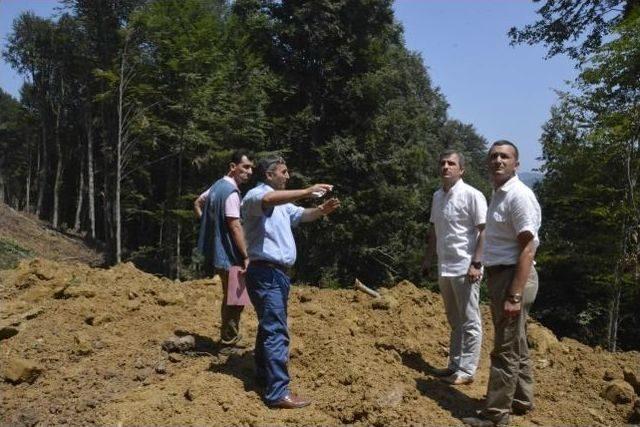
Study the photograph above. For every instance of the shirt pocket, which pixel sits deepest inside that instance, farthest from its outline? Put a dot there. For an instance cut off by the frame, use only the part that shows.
(499, 217)
(455, 214)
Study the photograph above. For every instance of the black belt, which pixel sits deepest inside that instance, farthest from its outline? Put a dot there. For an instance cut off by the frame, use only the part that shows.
(495, 269)
(268, 264)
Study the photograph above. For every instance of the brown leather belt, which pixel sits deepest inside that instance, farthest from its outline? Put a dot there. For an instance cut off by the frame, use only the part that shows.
(268, 264)
(495, 269)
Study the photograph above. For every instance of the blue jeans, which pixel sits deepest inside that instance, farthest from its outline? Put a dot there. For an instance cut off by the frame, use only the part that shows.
(269, 291)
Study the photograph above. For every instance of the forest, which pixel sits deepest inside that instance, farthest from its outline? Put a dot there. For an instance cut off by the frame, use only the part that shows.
(131, 108)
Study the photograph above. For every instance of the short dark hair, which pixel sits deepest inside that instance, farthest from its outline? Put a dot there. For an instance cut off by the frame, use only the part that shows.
(501, 142)
(266, 164)
(237, 155)
(447, 153)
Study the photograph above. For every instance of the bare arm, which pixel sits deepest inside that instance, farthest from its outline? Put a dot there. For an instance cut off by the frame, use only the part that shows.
(281, 197)
(237, 234)
(523, 268)
(312, 214)
(475, 274)
(198, 206)
(430, 250)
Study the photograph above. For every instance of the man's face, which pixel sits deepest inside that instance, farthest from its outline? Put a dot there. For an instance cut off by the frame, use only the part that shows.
(450, 170)
(502, 163)
(278, 177)
(242, 171)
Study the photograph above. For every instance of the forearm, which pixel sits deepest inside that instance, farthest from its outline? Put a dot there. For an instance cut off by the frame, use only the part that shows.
(311, 214)
(477, 253)
(237, 235)
(281, 197)
(523, 269)
(432, 241)
(197, 207)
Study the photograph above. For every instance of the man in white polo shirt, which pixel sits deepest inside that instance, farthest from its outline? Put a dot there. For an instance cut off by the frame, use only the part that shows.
(458, 214)
(511, 240)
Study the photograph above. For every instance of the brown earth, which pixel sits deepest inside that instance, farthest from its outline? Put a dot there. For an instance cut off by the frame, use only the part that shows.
(35, 235)
(96, 337)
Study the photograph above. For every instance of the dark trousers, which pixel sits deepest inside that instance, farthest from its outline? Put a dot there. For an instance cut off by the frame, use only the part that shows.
(269, 291)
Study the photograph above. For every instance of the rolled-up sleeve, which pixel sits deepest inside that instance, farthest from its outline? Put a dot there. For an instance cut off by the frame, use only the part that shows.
(252, 203)
(432, 214)
(524, 215)
(479, 205)
(295, 213)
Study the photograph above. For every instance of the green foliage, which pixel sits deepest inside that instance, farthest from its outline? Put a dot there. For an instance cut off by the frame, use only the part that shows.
(574, 27)
(329, 84)
(591, 148)
(11, 253)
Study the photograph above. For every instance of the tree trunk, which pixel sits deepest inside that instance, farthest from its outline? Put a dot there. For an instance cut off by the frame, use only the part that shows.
(1, 178)
(121, 88)
(614, 318)
(91, 177)
(108, 214)
(43, 162)
(178, 255)
(57, 183)
(76, 223)
(27, 206)
(179, 230)
(1, 187)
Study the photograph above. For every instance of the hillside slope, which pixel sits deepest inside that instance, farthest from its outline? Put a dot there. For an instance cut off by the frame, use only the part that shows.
(94, 338)
(23, 235)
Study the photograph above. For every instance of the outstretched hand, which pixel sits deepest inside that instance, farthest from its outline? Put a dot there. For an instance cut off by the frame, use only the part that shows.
(319, 190)
(329, 206)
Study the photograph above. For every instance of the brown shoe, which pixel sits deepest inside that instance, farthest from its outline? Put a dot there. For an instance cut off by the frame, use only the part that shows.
(458, 379)
(442, 372)
(291, 401)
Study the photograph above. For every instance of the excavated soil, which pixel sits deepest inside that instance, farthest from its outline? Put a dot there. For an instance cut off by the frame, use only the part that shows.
(97, 335)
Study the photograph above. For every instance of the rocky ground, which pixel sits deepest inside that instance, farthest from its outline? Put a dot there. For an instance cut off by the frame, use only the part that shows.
(81, 346)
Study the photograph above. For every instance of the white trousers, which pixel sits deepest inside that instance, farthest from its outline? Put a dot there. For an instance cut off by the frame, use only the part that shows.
(461, 302)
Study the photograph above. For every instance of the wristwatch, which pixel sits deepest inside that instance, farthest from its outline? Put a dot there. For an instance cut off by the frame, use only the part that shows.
(514, 298)
(476, 264)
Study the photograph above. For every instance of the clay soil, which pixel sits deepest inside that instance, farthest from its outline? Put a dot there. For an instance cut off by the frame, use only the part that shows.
(97, 336)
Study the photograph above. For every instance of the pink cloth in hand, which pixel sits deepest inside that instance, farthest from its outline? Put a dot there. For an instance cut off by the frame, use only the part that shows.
(237, 290)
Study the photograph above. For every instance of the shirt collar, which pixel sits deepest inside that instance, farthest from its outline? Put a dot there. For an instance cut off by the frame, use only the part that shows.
(509, 184)
(455, 187)
(231, 180)
(264, 184)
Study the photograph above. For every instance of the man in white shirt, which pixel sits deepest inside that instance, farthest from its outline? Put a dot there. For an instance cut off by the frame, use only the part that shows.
(511, 240)
(458, 213)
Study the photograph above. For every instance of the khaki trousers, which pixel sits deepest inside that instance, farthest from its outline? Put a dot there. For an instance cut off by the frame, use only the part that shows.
(229, 314)
(510, 379)
(462, 305)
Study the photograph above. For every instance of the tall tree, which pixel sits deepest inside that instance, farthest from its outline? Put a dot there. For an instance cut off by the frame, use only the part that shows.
(574, 27)
(593, 219)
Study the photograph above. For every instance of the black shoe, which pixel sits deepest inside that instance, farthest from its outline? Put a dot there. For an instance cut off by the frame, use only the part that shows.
(519, 408)
(442, 372)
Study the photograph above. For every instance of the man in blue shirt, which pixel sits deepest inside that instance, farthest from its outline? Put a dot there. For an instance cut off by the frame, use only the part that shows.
(268, 215)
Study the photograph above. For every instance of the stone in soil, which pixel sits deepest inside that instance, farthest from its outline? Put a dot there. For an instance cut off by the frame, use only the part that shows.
(20, 370)
(618, 392)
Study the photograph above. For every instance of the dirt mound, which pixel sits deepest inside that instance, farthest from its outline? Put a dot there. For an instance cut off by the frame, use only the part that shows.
(85, 346)
(32, 237)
